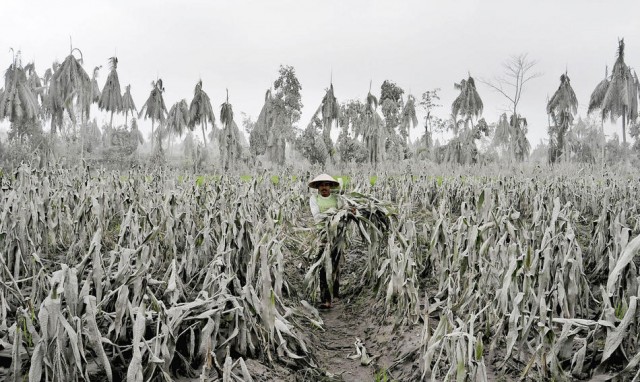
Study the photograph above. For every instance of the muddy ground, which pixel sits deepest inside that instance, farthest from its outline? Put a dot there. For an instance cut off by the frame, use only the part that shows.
(357, 317)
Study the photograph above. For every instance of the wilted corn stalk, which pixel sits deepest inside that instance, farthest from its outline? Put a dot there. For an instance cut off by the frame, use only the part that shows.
(453, 350)
(397, 276)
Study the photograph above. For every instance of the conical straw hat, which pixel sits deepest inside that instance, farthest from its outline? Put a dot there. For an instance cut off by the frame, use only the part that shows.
(323, 178)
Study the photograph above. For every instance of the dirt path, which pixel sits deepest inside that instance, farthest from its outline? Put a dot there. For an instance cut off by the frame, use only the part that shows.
(342, 326)
(356, 316)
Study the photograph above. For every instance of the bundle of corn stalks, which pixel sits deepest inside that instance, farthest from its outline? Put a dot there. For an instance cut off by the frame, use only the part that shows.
(371, 218)
(389, 266)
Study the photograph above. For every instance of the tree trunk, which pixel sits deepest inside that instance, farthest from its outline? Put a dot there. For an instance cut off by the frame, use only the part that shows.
(152, 130)
(204, 124)
(624, 126)
(126, 118)
(512, 151)
(81, 137)
(195, 159)
(604, 139)
(550, 153)
(111, 120)
(561, 150)
(426, 132)
(160, 137)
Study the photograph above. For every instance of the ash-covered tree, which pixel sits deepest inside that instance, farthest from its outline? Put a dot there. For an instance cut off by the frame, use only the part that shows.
(260, 133)
(311, 143)
(18, 104)
(584, 142)
(468, 104)
(155, 109)
(230, 148)
(178, 119)
(502, 134)
(70, 87)
(352, 124)
(329, 111)
(562, 106)
(617, 96)
(128, 105)
(136, 134)
(391, 103)
(33, 80)
(391, 106)
(111, 96)
(285, 109)
(409, 119)
(350, 149)
(201, 111)
(95, 88)
(429, 103)
(594, 104)
(351, 118)
(462, 148)
(50, 110)
(519, 142)
(518, 71)
(634, 132)
(374, 133)
(92, 136)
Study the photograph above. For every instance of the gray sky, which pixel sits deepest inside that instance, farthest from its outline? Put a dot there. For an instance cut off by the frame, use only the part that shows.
(239, 45)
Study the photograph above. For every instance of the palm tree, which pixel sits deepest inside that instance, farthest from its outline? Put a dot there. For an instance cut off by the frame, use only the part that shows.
(330, 111)
(127, 104)
(70, 85)
(621, 96)
(178, 119)
(468, 104)
(595, 102)
(229, 140)
(154, 107)
(111, 97)
(374, 131)
(50, 106)
(95, 88)
(408, 119)
(34, 82)
(200, 110)
(562, 107)
(18, 103)
(270, 132)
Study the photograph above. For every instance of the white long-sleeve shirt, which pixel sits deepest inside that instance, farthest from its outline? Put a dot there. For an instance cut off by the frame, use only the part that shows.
(315, 209)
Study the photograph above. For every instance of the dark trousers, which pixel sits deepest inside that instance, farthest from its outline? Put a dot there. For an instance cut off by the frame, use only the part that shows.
(325, 294)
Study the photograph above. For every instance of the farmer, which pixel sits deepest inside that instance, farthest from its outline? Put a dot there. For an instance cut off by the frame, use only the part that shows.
(319, 204)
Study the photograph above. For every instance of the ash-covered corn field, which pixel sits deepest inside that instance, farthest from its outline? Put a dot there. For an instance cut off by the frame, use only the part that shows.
(161, 276)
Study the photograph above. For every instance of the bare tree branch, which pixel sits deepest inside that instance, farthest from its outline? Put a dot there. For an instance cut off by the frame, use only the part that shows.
(516, 75)
(496, 88)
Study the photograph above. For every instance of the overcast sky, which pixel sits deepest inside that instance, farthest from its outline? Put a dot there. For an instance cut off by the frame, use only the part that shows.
(239, 45)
